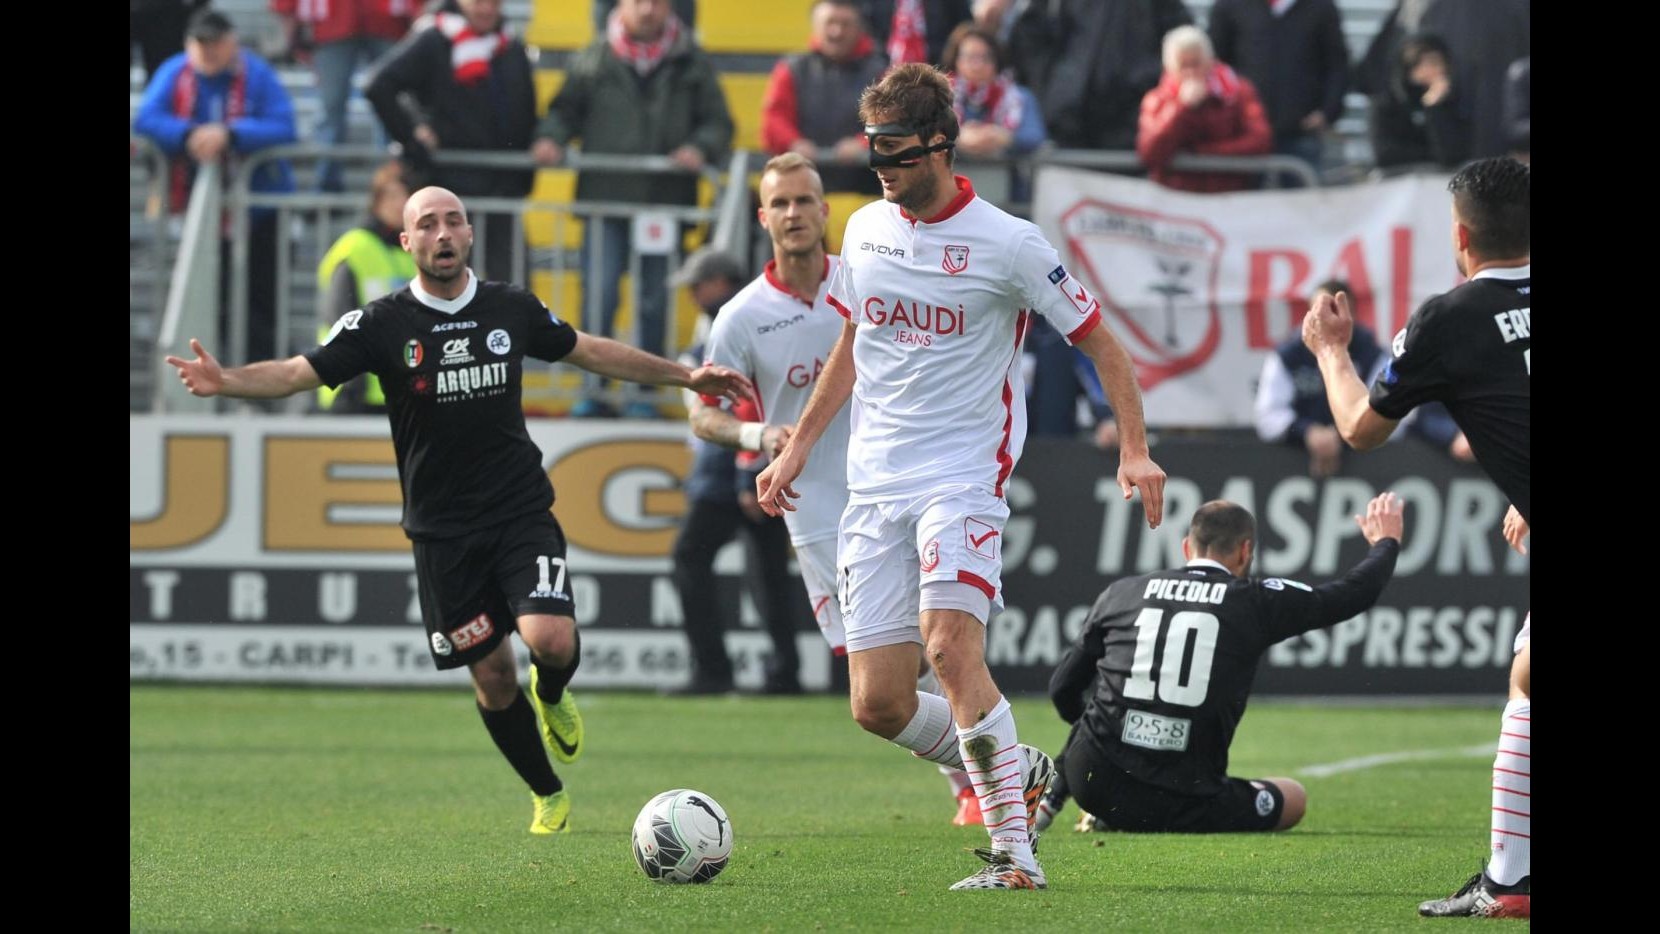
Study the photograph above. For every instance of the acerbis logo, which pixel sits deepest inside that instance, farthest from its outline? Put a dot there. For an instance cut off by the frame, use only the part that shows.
(882, 249)
(453, 326)
(348, 322)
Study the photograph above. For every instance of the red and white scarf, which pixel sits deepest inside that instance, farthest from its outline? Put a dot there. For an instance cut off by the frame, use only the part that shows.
(908, 38)
(470, 51)
(643, 56)
(184, 106)
(995, 101)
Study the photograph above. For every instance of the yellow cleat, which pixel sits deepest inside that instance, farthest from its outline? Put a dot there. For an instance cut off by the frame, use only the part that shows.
(561, 722)
(553, 813)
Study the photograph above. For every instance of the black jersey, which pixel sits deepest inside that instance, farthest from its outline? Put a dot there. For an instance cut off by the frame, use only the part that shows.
(1174, 653)
(452, 373)
(1469, 348)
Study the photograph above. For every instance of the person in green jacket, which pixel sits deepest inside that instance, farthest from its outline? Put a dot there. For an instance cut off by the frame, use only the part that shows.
(366, 263)
(643, 88)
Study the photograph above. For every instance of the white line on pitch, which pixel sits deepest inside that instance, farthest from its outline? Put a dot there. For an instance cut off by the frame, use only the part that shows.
(1388, 758)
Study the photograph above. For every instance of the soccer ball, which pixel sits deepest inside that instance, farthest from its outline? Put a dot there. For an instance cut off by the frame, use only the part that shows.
(682, 836)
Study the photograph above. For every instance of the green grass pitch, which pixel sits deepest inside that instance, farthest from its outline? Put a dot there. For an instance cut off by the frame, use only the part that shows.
(268, 809)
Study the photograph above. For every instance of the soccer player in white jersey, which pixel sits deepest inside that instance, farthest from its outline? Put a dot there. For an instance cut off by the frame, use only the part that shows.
(936, 287)
(778, 331)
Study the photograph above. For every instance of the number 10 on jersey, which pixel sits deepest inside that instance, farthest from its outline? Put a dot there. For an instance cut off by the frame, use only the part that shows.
(1168, 685)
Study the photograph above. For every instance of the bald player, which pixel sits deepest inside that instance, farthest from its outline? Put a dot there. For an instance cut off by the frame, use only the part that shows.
(449, 351)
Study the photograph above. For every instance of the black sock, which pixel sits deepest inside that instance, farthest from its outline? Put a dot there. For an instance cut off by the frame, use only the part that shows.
(550, 687)
(520, 740)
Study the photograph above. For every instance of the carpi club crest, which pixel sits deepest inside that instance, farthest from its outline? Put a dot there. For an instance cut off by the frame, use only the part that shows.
(956, 259)
(1159, 284)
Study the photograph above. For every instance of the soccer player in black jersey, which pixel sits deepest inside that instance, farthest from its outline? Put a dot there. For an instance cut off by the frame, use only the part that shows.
(449, 350)
(1471, 349)
(1172, 656)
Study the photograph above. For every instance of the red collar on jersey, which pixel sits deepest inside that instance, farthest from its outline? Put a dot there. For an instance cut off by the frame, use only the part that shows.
(965, 194)
(771, 274)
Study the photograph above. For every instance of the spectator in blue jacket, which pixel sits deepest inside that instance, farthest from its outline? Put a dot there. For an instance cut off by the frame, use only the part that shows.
(219, 102)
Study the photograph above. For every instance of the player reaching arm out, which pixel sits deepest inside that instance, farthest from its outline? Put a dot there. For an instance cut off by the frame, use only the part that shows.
(607, 357)
(268, 379)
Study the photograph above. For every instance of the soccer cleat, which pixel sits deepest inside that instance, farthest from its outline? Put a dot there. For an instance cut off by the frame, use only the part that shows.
(1481, 897)
(1049, 807)
(1000, 872)
(968, 809)
(561, 722)
(1040, 771)
(553, 813)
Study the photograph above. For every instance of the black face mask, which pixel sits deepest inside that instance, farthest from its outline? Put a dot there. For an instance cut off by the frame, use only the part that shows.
(904, 157)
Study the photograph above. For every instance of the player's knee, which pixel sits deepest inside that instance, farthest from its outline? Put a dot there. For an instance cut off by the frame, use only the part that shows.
(882, 714)
(552, 644)
(1296, 802)
(495, 683)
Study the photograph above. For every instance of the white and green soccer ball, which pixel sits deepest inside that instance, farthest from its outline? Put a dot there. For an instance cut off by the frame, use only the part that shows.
(682, 836)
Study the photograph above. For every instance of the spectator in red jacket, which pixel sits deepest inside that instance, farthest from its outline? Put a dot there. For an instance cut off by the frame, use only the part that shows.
(812, 98)
(338, 34)
(1200, 106)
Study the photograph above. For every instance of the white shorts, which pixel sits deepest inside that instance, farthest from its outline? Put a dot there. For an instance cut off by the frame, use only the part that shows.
(818, 572)
(1523, 636)
(889, 549)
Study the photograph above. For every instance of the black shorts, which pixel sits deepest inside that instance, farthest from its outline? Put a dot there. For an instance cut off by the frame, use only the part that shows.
(474, 587)
(1121, 802)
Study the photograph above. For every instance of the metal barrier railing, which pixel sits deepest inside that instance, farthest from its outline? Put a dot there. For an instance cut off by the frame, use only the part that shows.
(149, 259)
(314, 220)
(192, 308)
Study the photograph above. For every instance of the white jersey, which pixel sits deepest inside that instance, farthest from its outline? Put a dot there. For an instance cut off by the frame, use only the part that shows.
(941, 306)
(781, 343)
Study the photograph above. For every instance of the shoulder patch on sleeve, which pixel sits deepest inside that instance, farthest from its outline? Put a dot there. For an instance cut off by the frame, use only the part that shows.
(1057, 275)
(1280, 583)
(1398, 345)
(348, 322)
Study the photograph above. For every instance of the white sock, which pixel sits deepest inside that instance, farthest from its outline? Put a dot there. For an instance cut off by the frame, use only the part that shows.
(929, 683)
(1513, 796)
(931, 732)
(995, 765)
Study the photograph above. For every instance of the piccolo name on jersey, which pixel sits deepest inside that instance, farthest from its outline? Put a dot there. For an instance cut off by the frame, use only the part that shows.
(1185, 591)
